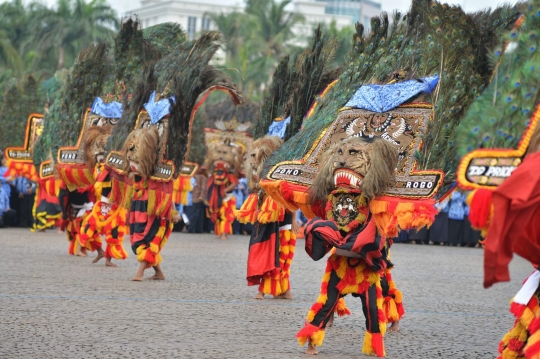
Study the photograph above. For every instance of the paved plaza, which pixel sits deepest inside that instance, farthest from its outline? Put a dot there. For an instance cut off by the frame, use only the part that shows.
(53, 305)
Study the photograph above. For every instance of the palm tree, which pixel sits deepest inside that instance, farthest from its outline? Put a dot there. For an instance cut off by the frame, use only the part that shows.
(275, 24)
(9, 57)
(230, 25)
(74, 24)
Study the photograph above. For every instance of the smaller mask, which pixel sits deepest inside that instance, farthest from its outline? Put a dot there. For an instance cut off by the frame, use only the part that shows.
(346, 208)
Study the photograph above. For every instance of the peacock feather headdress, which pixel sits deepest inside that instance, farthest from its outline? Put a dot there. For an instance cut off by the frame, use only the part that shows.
(432, 60)
(495, 134)
(22, 97)
(499, 117)
(170, 94)
(295, 85)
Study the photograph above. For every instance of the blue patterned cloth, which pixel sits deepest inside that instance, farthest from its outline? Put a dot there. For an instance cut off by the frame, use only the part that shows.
(241, 192)
(109, 110)
(4, 181)
(4, 201)
(278, 128)
(158, 110)
(22, 184)
(193, 182)
(458, 209)
(382, 98)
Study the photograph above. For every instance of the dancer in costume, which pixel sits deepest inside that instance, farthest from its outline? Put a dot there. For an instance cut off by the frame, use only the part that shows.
(273, 238)
(225, 155)
(360, 171)
(149, 230)
(108, 219)
(224, 162)
(148, 162)
(27, 98)
(73, 118)
(76, 205)
(409, 108)
(110, 73)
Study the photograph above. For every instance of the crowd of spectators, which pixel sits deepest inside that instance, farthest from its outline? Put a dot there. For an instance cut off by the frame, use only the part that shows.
(16, 199)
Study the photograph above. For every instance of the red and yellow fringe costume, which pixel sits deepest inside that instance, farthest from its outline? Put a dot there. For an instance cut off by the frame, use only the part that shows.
(221, 206)
(75, 208)
(347, 279)
(112, 225)
(225, 218)
(393, 300)
(46, 210)
(271, 278)
(108, 219)
(149, 231)
(523, 340)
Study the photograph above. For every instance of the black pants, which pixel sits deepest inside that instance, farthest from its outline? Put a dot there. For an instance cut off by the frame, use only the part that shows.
(7, 218)
(238, 228)
(369, 305)
(197, 218)
(26, 203)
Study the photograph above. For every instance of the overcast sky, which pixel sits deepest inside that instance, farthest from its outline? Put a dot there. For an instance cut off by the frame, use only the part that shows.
(388, 5)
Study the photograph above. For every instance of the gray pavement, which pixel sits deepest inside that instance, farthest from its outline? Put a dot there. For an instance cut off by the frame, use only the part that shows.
(53, 305)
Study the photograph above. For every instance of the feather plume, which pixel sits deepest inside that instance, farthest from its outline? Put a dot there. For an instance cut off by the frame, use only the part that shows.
(22, 97)
(498, 118)
(432, 38)
(296, 84)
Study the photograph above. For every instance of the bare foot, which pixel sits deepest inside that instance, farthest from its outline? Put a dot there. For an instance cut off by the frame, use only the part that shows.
(286, 295)
(81, 253)
(259, 295)
(223, 236)
(100, 255)
(156, 277)
(139, 276)
(159, 274)
(394, 327)
(331, 320)
(311, 349)
(108, 263)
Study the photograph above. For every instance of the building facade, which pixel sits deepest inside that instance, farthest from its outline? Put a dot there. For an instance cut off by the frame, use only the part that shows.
(361, 10)
(191, 14)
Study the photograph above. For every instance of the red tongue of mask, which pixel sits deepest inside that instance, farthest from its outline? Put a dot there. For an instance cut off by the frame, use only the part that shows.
(344, 212)
(343, 181)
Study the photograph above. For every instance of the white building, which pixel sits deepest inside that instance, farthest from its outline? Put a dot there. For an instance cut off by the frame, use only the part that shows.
(361, 10)
(190, 14)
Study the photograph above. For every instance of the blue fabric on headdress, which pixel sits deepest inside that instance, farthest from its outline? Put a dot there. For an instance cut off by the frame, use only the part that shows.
(278, 128)
(158, 110)
(109, 110)
(382, 98)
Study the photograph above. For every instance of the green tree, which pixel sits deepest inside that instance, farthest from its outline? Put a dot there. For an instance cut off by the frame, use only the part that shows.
(275, 24)
(74, 24)
(231, 26)
(255, 41)
(9, 57)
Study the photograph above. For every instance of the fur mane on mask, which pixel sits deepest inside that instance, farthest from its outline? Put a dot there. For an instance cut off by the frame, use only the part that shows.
(147, 147)
(93, 134)
(266, 145)
(234, 156)
(384, 159)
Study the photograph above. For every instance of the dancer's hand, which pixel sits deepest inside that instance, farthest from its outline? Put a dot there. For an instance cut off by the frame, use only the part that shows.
(295, 226)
